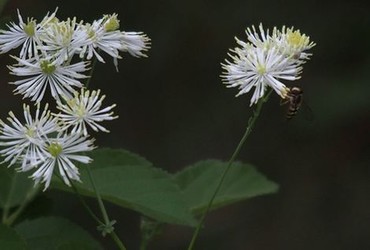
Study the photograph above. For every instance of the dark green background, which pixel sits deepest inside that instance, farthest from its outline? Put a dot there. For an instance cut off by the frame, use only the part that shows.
(174, 110)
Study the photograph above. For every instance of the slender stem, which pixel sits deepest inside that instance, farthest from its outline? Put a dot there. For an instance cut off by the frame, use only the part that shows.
(87, 84)
(7, 207)
(84, 204)
(101, 204)
(247, 132)
(117, 240)
(10, 220)
(104, 211)
(98, 197)
(112, 234)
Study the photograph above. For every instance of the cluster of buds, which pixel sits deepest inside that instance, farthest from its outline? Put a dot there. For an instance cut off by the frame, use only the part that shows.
(265, 60)
(53, 56)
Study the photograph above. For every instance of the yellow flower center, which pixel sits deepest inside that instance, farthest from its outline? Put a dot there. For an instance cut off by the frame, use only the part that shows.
(55, 149)
(261, 69)
(78, 109)
(91, 33)
(296, 39)
(30, 132)
(47, 67)
(29, 28)
(112, 23)
(81, 111)
(66, 28)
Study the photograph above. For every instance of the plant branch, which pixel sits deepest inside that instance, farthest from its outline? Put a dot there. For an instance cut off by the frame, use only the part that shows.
(252, 120)
(108, 225)
(30, 195)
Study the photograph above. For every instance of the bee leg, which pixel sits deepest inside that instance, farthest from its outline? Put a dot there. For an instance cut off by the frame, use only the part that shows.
(284, 101)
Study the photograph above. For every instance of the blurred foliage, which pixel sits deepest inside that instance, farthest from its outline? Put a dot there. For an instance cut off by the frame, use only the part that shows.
(53, 233)
(14, 187)
(10, 239)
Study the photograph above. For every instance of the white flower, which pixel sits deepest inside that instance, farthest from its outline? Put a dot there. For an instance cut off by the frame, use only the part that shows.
(265, 60)
(289, 42)
(43, 73)
(23, 140)
(263, 39)
(25, 34)
(103, 35)
(293, 43)
(60, 153)
(84, 109)
(259, 68)
(135, 43)
(63, 39)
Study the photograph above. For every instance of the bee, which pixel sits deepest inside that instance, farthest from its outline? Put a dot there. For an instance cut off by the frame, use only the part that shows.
(294, 99)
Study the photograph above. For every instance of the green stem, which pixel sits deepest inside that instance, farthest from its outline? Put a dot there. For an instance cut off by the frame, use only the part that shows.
(104, 211)
(247, 132)
(7, 207)
(87, 84)
(107, 222)
(106, 218)
(98, 197)
(10, 220)
(117, 240)
(84, 204)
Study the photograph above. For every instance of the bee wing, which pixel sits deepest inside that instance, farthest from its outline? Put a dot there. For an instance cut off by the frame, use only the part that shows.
(307, 112)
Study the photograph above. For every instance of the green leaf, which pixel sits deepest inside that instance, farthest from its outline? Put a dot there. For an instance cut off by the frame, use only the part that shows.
(10, 239)
(55, 233)
(130, 181)
(242, 181)
(14, 187)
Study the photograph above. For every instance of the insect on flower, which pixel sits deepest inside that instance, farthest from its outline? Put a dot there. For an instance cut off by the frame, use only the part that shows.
(294, 100)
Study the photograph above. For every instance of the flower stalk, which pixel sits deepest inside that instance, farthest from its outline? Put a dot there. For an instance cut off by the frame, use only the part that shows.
(107, 227)
(9, 220)
(251, 122)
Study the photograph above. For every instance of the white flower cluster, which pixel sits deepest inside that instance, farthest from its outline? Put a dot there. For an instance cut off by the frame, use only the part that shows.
(48, 49)
(54, 55)
(265, 60)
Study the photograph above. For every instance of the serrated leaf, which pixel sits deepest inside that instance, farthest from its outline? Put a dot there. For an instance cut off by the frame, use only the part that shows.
(242, 181)
(10, 239)
(130, 181)
(55, 233)
(14, 187)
